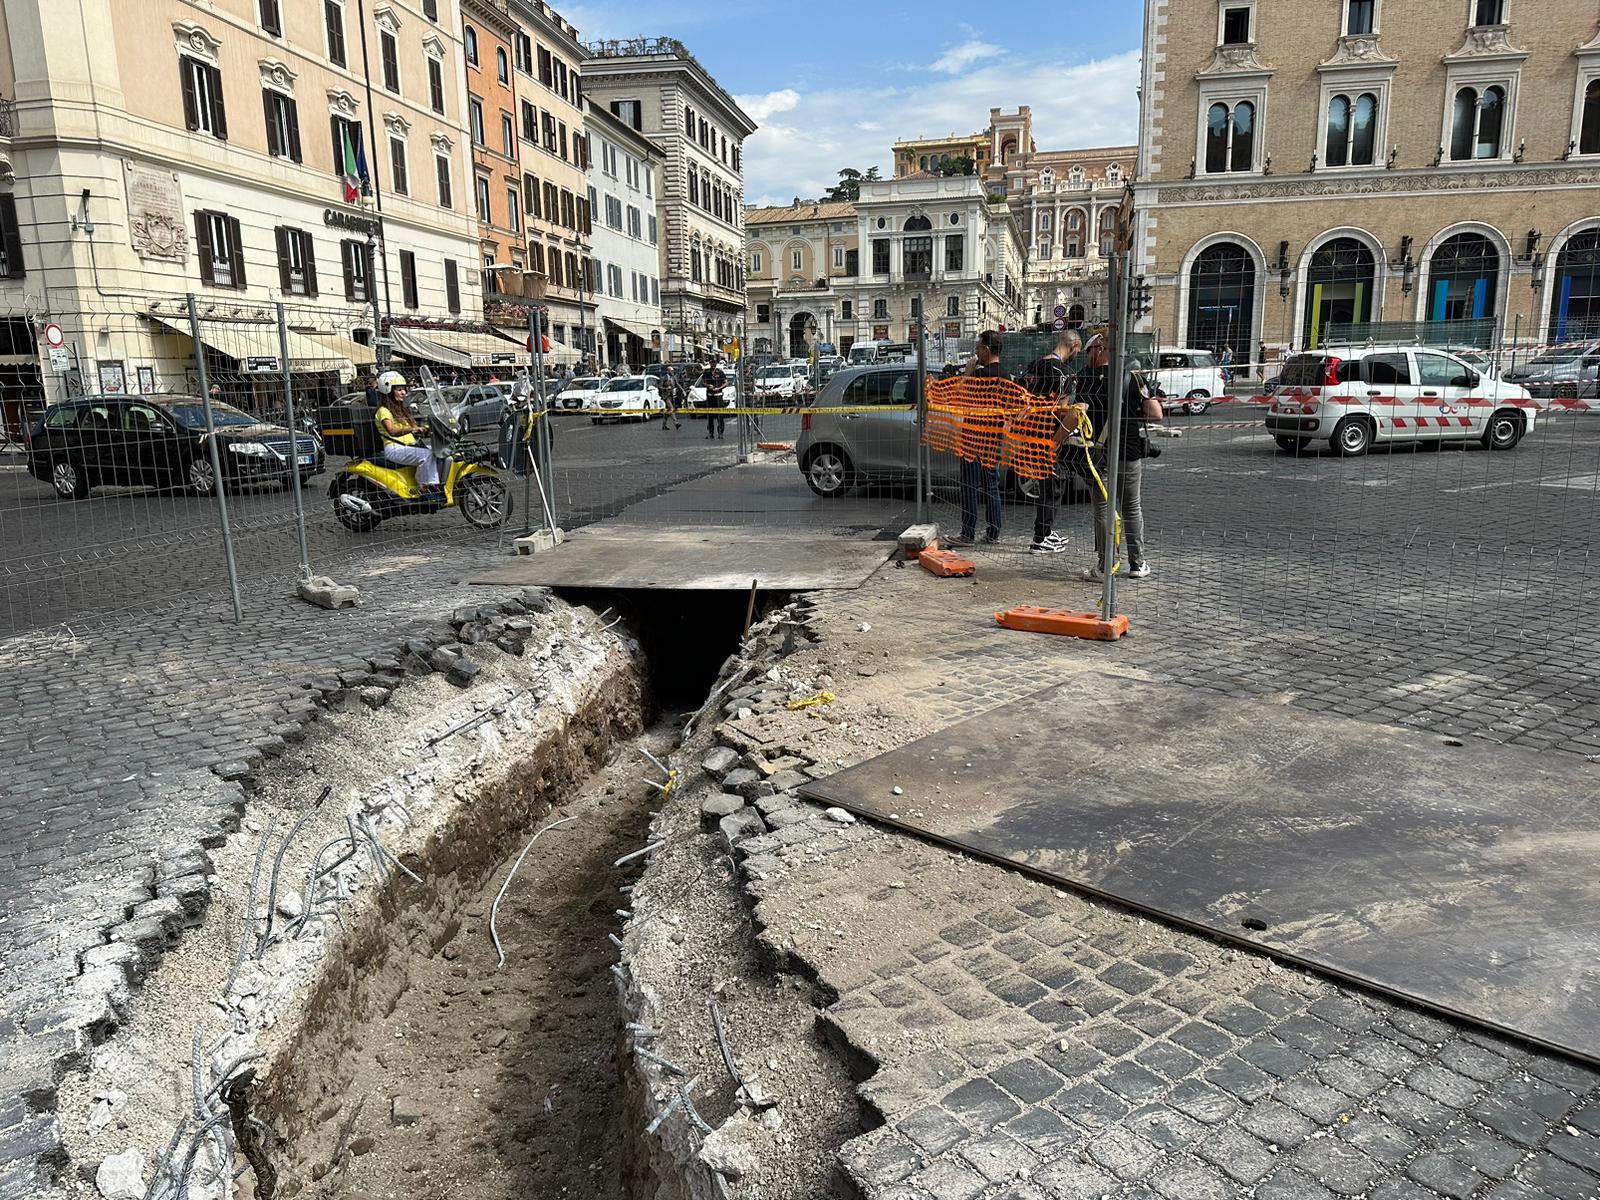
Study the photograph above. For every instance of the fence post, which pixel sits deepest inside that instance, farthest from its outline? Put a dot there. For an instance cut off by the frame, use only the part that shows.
(922, 395)
(1116, 385)
(294, 444)
(216, 461)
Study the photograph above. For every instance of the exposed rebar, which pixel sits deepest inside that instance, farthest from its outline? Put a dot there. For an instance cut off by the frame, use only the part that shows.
(165, 1160)
(679, 1097)
(372, 836)
(665, 1064)
(722, 1042)
(277, 865)
(223, 1078)
(494, 909)
(194, 1148)
(627, 858)
(315, 872)
(246, 936)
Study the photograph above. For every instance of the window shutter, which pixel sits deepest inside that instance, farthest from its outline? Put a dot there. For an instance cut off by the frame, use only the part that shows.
(271, 21)
(15, 268)
(236, 247)
(338, 150)
(282, 236)
(191, 105)
(293, 113)
(219, 114)
(308, 246)
(274, 146)
(452, 286)
(202, 246)
(346, 260)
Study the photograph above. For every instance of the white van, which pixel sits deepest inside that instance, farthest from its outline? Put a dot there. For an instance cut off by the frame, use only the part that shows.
(1357, 395)
(867, 353)
(1189, 380)
(782, 381)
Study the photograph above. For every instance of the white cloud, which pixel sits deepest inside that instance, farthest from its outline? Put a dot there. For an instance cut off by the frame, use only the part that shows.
(958, 58)
(800, 146)
(762, 108)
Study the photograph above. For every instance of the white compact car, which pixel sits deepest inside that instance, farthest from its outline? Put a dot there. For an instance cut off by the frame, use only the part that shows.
(782, 381)
(577, 391)
(627, 398)
(1189, 380)
(1354, 396)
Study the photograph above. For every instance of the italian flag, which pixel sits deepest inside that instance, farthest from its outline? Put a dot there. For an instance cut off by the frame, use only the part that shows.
(352, 174)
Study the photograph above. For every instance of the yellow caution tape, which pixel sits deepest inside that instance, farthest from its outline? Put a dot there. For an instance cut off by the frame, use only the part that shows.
(1086, 433)
(816, 701)
(792, 411)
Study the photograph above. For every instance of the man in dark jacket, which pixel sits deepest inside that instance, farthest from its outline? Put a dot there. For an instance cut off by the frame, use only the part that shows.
(1094, 394)
(715, 381)
(1050, 379)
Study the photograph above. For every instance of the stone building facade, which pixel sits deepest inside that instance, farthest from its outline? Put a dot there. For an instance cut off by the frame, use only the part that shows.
(1370, 166)
(624, 181)
(802, 263)
(662, 91)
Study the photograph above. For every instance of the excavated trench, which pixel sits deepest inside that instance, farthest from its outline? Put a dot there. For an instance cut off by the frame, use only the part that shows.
(424, 1067)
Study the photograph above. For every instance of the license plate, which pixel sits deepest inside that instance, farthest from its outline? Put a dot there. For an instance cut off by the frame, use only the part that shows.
(306, 460)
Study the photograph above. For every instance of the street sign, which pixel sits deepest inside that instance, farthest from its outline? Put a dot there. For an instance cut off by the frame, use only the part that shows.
(60, 360)
(1058, 324)
(261, 364)
(53, 335)
(1061, 313)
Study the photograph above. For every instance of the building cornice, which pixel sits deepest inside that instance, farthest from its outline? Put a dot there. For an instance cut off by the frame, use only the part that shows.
(646, 68)
(1487, 44)
(1376, 183)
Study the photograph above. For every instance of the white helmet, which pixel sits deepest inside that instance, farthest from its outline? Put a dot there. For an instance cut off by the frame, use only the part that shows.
(390, 380)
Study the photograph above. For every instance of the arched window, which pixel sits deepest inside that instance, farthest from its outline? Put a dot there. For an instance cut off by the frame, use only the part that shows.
(1230, 137)
(1352, 131)
(1114, 171)
(1074, 219)
(1575, 312)
(922, 163)
(469, 43)
(1075, 315)
(1077, 176)
(1477, 123)
(917, 224)
(1463, 279)
(1108, 232)
(1222, 300)
(1047, 178)
(502, 65)
(1589, 135)
(1339, 288)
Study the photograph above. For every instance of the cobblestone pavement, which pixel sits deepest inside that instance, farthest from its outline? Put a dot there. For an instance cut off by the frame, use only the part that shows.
(128, 749)
(1023, 1043)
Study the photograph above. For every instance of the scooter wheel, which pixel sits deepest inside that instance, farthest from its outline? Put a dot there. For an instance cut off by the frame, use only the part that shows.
(485, 501)
(354, 519)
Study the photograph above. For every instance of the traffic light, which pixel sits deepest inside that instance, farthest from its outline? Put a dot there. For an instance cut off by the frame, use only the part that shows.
(1141, 298)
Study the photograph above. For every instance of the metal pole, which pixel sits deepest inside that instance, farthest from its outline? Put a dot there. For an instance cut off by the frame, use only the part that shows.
(922, 407)
(1116, 383)
(379, 358)
(216, 462)
(533, 367)
(294, 444)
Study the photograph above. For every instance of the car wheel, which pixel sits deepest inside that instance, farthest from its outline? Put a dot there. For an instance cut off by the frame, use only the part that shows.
(202, 479)
(1292, 445)
(1197, 402)
(1352, 437)
(485, 501)
(69, 480)
(829, 472)
(1505, 430)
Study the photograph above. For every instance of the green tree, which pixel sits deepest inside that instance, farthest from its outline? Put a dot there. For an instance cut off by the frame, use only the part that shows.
(958, 166)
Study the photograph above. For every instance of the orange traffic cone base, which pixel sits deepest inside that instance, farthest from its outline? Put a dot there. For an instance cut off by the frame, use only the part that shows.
(1030, 618)
(945, 564)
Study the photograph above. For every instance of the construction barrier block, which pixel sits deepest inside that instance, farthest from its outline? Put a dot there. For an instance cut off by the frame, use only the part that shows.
(946, 564)
(774, 445)
(1030, 618)
(919, 538)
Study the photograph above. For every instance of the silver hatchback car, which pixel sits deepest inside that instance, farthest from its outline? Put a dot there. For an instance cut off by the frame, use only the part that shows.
(838, 451)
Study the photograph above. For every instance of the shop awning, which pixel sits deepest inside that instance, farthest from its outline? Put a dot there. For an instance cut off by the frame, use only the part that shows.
(361, 355)
(483, 349)
(643, 332)
(559, 352)
(414, 345)
(255, 345)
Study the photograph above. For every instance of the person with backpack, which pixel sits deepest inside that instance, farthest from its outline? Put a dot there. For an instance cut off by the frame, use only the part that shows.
(1052, 418)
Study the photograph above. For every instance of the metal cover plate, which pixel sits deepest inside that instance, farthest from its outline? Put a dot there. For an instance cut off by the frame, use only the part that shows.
(1464, 878)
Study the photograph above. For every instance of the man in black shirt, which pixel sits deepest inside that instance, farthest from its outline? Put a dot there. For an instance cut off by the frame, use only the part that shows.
(1050, 378)
(1093, 393)
(715, 383)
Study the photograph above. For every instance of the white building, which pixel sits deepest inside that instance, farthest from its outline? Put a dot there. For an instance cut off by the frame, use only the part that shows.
(655, 86)
(624, 180)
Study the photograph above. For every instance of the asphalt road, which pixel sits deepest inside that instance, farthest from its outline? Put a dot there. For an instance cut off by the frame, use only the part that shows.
(1223, 483)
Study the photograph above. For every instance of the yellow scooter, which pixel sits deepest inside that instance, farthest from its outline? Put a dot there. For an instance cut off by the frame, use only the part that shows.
(370, 489)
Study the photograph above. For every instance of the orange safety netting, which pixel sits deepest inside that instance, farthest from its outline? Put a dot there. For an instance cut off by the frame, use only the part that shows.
(985, 420)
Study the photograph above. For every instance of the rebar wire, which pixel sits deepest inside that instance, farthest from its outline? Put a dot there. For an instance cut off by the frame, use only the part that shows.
(315, 872)
(222, 1079)
(247, 935)
(277, 865)
(722, 1041)
(165, 1160)
(627, 858)
(681, 1096)
(494, 909)
(194, 1148)
(372, 836)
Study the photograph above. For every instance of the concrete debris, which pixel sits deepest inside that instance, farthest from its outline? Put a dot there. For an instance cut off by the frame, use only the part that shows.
(323, 591)
(839, 815)
(898, 790)
(121, 1176)
(720, 806)
(106, 1104)
(719, 761)
(864, 627)
(728, 1152)
(407, 1110)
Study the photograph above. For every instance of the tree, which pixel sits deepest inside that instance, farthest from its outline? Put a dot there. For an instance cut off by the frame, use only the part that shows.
(848, 189)
(957, 166)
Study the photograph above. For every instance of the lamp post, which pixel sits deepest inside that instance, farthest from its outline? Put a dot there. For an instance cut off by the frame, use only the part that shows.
(379, 358)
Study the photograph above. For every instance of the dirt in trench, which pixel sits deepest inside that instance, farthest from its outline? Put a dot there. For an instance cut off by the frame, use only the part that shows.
(511, 1073)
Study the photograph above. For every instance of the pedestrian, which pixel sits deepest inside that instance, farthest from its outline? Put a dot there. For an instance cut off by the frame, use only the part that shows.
(1051, 381)
(715, 382)
(1261, 360)
(670, 397)
(983, 424)
(1137, 407)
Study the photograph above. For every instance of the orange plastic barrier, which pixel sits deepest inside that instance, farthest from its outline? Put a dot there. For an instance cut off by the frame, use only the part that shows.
(987, 420)
(1030, 618)
(946, 564)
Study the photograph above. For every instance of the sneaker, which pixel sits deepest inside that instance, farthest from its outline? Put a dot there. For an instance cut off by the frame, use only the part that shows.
(1142, 571)
(991, 538)
(963, 539)
(1092, 574)
(1053, 544)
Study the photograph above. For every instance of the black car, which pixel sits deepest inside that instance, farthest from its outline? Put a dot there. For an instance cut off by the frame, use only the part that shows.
(160, 441)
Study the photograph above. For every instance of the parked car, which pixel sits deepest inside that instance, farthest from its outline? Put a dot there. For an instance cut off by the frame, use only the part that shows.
(160, 441)
(479, 406)
(1355, 396)
(1189, 380)
(622, 396)
(578, 390)
(697, 391)
(839, 451)
(1565, 373)
(785, 381)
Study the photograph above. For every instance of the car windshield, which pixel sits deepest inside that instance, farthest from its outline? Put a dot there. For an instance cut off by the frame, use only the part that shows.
(581, 385)
(1562, 361)
(631, 384)
(1303, 370)
(193, 414)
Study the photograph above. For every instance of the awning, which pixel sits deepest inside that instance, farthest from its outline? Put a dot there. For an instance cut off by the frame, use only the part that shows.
(643, 332)
(255, 345)
(483, 349)
(361, 355)
(414, 345)
(559, 352)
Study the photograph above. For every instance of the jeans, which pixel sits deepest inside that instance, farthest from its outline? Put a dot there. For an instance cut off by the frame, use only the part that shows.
(1044, 512)
(974, 475)
(1130, 481)
(419, 457)
(716, 424)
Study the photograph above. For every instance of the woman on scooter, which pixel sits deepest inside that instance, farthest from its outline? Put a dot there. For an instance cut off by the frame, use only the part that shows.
(400, 429)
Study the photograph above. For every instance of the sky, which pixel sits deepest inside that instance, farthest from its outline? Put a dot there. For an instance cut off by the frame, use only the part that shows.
(834, 84)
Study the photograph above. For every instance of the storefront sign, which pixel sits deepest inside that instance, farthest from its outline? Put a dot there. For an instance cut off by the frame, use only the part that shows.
(261, 364)
(156, 222)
